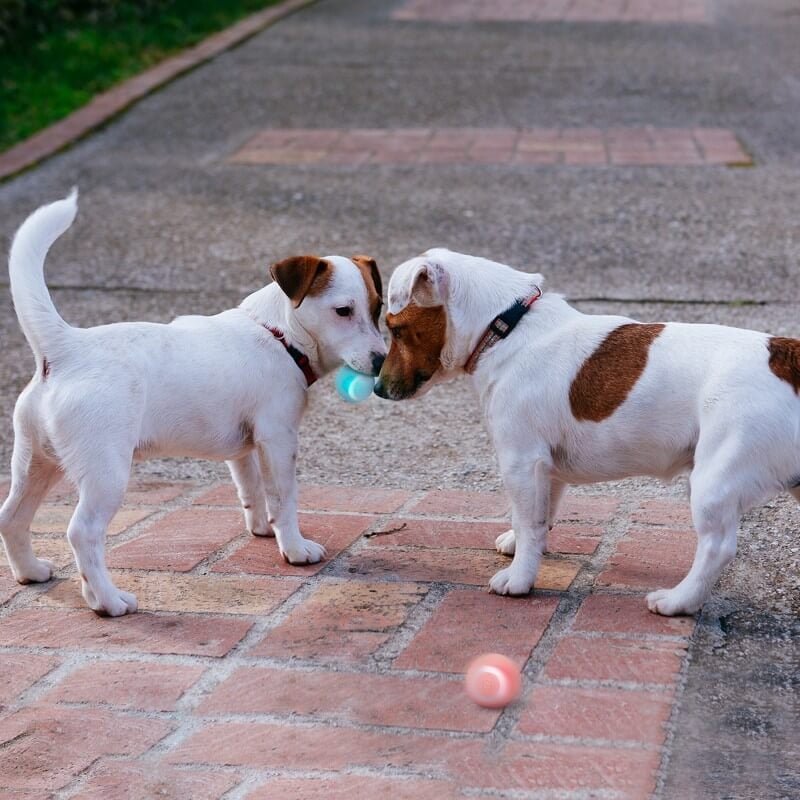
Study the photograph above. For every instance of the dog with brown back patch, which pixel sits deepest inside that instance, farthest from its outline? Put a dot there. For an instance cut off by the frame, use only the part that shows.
(572, 398)
(227, 387)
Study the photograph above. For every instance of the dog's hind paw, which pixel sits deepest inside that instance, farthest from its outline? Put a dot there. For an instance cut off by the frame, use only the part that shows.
(303, 552)
(505, 543)
(510, 581)
(38, 571)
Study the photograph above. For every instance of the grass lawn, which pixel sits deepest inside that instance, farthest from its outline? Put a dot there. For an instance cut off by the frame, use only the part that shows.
(46, 76)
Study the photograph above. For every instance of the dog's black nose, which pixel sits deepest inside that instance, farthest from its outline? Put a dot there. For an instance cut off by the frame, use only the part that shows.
(377, 363)
(380, 390)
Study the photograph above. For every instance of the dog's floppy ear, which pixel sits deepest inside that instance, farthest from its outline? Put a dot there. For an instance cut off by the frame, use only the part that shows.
(369, 264)
(298, 275)
(428, 285)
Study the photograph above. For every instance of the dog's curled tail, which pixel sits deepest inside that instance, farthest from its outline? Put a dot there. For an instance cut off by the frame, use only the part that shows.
(38, 318)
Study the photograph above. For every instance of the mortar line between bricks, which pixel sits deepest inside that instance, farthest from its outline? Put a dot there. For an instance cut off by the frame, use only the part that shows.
(671, 725)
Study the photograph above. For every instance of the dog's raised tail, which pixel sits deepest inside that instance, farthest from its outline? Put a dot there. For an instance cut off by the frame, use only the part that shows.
(38, 318)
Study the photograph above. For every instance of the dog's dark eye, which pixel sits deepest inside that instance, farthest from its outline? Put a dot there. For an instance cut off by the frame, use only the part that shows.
(395, 333)
(344, 311)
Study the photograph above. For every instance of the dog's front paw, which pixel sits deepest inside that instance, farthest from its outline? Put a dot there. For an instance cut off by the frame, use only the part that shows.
(304, 551)
(511, 581)
(669, 602)
(506, 543)
(38, 571)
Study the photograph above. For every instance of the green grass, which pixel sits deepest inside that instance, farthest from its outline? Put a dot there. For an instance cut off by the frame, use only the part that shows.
(44, 77)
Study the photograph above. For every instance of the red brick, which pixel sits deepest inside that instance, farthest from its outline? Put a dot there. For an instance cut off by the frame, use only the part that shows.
(569, 538)
(41, 748)
(663, 512)
(351, 499)
(587, 509)
(321, 747)
(469, 622)
(438, 533)
(607, 613)
(349, 787)
(342, 621)
(139, 493)
(454, 502)
(19, 671)
(55, 519)
(179, 541)
(143, 633)
(549, 156)
(162, 591)
(145, 780)
(260, 556)
(617, 715)
(650, 559)
(615, 659)
(141, 685)
(473, 567)
(627, 773)
(369, 699)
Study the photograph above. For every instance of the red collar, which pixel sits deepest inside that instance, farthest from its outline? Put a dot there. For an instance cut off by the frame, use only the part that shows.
(299, 358)
(501, 326)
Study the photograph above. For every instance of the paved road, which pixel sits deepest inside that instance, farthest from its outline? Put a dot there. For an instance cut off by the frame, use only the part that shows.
(167, 226)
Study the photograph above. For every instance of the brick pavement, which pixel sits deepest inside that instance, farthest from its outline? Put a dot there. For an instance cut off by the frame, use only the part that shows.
(631, 146)
(692, 11)
(245, 678)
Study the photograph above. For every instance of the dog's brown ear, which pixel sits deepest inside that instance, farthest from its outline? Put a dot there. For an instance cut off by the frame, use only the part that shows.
(367, 264)
(299, 276)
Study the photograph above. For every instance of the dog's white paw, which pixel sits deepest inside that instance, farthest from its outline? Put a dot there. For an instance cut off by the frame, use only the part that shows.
(258, 524)
(38, 571)
(669, 602)
(114, 603)
(506, 543)
(304, 551)
(511, 581)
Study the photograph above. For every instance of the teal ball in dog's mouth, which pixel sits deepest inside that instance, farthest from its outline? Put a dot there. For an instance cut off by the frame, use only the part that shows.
(352, 386)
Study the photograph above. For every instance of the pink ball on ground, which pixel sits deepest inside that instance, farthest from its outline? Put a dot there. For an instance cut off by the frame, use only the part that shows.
(493, 680)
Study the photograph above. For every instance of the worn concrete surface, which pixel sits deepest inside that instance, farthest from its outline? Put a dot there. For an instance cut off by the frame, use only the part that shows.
(167, 227)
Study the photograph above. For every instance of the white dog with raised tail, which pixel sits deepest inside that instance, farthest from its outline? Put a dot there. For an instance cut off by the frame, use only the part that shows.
(573, 398)
(227, 387)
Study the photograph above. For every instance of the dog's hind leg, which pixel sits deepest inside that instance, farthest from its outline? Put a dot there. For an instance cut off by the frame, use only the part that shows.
(246, 474)
(32, 475)
(505, 543)
(101, 493)
(717, 497)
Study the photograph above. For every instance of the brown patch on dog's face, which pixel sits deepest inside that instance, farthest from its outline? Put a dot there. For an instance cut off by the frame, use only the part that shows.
(606, 378)
(300, 276)
(418, 336)
(784, 360)
(372, 278)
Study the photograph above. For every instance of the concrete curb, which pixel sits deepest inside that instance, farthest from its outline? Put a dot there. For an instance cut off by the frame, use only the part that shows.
(108, 104)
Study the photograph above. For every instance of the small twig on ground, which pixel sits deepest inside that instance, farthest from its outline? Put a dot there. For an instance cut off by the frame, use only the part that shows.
(388, 530)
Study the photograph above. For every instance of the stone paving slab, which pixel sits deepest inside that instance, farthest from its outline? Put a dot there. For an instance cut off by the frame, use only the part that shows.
(346, 676)
(553, 10)
(620, 146)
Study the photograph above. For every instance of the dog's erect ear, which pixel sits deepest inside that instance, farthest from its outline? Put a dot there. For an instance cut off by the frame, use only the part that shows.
(367, 263)
(300, 275)
(428, 285)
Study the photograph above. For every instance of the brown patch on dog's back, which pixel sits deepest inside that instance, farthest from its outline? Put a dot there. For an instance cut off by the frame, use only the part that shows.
(784, 360)
(606, 378)
(418, 337)
(372, 278)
